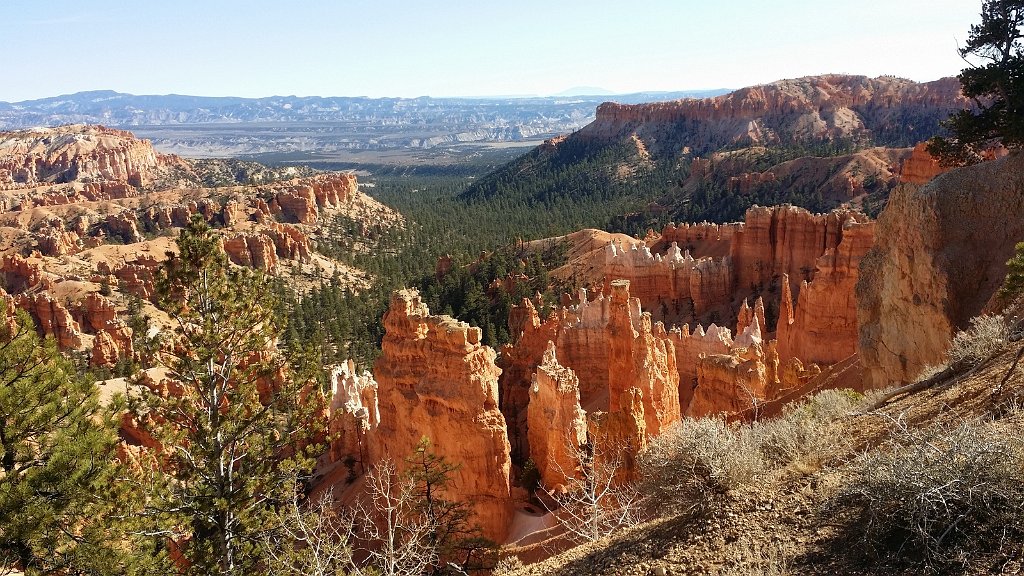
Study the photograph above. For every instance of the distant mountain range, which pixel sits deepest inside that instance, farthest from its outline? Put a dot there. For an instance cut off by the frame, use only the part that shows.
(232, 126)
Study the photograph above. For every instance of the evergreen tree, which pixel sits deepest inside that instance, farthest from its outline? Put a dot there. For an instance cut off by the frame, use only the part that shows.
(57, 455)
(235, 424)
(996, 87)
(455, 538)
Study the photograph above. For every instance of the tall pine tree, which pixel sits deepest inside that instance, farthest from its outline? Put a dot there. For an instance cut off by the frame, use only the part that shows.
(234, 423)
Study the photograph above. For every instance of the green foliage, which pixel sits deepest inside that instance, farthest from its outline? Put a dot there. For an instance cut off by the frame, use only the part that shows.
(59, 480)
(996, 87)
(456, 539)
(1013, 285)
(234, 414)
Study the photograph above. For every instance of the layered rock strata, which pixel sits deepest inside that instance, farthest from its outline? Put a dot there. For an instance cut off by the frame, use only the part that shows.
(817, 107)
(940, 254)
(822, 328)
(621, 361)
(82, 153)
(439, 382)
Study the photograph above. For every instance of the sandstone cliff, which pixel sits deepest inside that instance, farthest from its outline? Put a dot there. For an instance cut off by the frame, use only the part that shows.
(823, 327)
(939, 256)
(815, 107)
(921, 166)
(80, 153)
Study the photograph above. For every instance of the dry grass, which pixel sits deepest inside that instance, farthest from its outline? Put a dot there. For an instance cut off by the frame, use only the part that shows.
(699, 459)
(507, 565)
(801, 434)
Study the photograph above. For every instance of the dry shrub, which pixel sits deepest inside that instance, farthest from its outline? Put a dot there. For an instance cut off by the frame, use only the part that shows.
(698, 459)
(803, 432)
(940, 495)
(929, 371)
(596, 502)
(985, 337)
(507, 565)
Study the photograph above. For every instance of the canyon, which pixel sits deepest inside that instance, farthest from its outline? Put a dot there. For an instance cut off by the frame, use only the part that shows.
(611, 369)
(699, 319)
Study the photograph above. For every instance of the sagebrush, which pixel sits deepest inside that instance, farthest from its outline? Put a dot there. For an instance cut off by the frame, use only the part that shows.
(938, 495)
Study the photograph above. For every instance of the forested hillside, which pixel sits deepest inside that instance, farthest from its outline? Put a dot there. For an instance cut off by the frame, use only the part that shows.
(711, 159)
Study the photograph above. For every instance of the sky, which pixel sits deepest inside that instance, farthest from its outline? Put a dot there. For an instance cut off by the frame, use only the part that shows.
(413, 48)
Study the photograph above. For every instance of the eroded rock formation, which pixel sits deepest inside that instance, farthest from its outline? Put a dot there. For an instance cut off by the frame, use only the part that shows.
(823, 329)
(827, 106)
(438, 381)
(921, 166)
(82, 153)
(557, 424)
(939, 256)
(354, 417)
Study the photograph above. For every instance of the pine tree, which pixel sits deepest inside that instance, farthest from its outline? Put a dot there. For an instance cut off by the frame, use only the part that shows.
(235, 424)
(996, 87)
(59, 469)
(455, 538)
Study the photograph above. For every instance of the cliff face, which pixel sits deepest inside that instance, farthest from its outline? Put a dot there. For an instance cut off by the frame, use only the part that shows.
(82, 153)
(823, 327)
(920, 166)
(939, 256)
(816, 107)
(784, 240)
(438, 381)
(621, 362)
(738, 261)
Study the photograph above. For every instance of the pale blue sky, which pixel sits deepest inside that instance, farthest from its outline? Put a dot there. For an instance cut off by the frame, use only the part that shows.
(463, 47)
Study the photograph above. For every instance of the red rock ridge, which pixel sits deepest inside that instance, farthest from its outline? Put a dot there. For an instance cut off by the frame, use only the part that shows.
(817, 106)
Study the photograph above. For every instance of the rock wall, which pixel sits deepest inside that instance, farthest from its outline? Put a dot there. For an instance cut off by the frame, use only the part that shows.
(784, 240)
(621, 361)
(823, 327)
(748, 259)
(940, 254)
(921, 166)
(827, 106)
